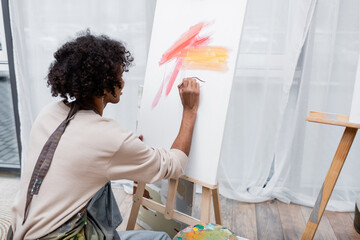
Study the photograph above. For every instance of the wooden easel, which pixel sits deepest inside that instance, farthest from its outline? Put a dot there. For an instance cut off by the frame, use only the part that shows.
(169, 212)
(335, 168)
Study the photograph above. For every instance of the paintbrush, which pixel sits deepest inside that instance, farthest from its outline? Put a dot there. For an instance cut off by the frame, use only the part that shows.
(197, 79)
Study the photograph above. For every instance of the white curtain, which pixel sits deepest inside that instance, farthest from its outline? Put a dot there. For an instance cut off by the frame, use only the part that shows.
(295, 56)
(40, 27)
(269, 150)
(274, 33)
(328, 70)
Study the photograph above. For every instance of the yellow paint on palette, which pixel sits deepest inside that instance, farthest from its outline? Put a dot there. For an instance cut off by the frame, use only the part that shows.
(205, 58)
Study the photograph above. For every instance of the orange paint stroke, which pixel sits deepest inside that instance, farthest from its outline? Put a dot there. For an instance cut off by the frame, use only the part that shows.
(206, 58)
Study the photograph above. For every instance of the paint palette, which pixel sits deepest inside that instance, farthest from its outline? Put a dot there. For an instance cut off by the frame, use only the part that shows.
(205, 231)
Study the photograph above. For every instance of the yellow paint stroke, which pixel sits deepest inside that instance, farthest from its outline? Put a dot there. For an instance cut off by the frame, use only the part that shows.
(205, 58)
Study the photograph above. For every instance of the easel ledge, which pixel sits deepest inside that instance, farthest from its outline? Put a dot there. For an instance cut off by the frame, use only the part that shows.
(169, 212)
(335, 167)
(332, 119)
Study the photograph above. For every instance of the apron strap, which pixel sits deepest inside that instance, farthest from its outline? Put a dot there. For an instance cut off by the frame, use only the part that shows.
(44, 160)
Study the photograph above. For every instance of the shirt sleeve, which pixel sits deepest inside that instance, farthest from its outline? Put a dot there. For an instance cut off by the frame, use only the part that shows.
(136, 161)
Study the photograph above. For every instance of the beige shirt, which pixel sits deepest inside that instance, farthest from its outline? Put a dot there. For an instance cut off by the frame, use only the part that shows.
(92, 151)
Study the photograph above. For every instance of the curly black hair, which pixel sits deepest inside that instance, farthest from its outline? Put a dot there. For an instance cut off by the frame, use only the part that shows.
(87, 66)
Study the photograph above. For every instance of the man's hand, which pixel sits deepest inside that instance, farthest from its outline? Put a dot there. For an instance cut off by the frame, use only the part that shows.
(189, 91)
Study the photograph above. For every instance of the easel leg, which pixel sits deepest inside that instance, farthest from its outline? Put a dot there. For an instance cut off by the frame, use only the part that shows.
(205, 205)
(136, 206)
(171, 197)
(216, 203)
(329, 183)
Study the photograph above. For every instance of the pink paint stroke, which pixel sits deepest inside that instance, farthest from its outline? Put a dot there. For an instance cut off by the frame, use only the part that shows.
(158, 95)
(184, 41)
(174, 74)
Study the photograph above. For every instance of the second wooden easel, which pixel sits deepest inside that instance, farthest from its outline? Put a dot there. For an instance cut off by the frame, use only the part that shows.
(168, 210)
(335, 168)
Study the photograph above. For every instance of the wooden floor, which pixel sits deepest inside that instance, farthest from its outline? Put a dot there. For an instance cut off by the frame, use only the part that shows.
(269, 220)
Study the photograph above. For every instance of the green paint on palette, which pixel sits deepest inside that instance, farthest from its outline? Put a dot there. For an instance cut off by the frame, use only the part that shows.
(199, 226)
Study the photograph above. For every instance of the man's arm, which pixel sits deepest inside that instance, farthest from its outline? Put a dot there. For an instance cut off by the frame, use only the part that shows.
(189, 91)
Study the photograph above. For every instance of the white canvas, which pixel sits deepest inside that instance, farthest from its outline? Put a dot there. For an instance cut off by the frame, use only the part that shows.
(215, 28)
(355, 104)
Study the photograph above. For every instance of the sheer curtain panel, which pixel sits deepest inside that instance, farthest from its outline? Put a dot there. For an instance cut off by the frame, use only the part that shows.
(273, 36)
(325, 83)
(40, 27)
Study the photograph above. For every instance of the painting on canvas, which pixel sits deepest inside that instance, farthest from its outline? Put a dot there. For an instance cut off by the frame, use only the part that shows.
(191, 38)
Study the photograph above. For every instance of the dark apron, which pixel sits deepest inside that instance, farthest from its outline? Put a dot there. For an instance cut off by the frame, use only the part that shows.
(98, 221)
